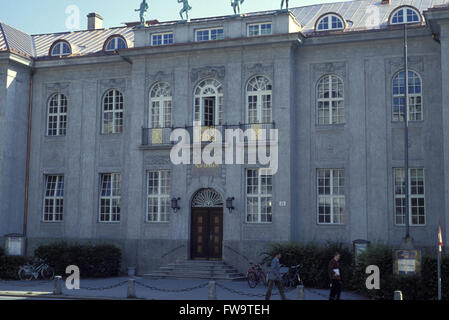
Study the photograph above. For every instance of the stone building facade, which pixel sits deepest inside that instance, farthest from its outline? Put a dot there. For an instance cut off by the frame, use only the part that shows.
(101, 105)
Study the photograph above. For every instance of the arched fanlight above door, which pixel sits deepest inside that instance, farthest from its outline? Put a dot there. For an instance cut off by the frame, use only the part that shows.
(207, 198)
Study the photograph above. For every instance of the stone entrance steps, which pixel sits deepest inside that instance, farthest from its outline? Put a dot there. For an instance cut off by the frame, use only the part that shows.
(197, 269)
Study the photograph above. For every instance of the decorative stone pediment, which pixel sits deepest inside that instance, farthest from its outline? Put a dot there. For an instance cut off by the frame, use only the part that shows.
(397, 64)
(160, 76)
(217, 73)
(338, 68)
(57, 86)
(113, 83)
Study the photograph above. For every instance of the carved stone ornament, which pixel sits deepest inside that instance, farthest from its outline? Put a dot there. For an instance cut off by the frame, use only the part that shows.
(207, 72)
(338, 68)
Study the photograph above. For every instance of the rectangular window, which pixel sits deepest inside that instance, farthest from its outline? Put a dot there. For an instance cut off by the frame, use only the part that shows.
(160, 39)
(158, 196)
(331, 196)
(259, 199)
(259, 29)
(110, 195)
(209, 34)
(54, 198)
(416, 196)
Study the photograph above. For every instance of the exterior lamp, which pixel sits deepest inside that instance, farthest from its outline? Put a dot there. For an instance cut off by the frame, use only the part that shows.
(229, 205)
(175, 205)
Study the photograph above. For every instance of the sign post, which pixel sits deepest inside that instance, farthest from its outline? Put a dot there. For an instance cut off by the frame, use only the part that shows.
(440, 250)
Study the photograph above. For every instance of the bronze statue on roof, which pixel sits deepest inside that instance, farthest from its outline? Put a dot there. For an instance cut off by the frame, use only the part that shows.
(186, 8)
(282, 4)
(142, 12)
(236, 5)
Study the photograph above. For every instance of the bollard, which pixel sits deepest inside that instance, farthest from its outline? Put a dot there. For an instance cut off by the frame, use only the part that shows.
(300, 293)
(57, 289)
(398, 295)
(131, 292)
(212, 290)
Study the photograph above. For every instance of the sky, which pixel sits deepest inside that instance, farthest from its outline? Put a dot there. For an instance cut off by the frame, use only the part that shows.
(48, 16)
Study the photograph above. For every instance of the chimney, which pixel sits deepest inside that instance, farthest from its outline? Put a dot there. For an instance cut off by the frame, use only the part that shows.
(386, 2)
(94, 21)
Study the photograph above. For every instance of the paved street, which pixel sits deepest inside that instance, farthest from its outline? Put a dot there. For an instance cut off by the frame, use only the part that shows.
(225, 290)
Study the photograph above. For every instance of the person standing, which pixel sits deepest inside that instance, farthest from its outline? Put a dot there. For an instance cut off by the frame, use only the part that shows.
(274, 278)
(335, 277)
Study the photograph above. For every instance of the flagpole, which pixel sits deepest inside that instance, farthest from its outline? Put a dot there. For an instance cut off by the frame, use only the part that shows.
(407, 191)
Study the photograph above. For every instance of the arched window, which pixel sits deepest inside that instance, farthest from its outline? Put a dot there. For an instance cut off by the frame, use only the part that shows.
(57, 115)
(405, 14)
(115, 43)
(160, 105)
(259, 100)
(60, 48)
(112, 112)
(330, 21)
(330, 97)
(209, 103)
(414, 96)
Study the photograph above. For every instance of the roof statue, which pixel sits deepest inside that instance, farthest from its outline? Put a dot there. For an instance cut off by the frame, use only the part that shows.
(236, 5)
(186, 8)
(286, 4)
(142, 12)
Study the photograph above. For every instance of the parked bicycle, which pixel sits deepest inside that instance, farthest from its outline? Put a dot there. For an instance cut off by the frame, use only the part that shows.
(292, 277)
(255, 275)
(41, 268)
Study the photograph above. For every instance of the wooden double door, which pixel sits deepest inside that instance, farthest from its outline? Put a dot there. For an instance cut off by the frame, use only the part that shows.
(206, 234)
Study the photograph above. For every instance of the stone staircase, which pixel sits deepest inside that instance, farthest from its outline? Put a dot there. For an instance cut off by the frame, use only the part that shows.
(197, 269)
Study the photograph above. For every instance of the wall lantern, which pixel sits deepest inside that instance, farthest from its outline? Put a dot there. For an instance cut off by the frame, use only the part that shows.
(229, 205)
(175, 205)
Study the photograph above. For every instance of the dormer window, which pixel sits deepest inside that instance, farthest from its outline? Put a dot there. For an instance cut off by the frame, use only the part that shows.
(60, 48)
(115, 43)
(405, 14)
(330, 21)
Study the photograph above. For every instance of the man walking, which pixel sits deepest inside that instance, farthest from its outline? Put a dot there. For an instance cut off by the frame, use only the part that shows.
(274, 278)
(335, 277)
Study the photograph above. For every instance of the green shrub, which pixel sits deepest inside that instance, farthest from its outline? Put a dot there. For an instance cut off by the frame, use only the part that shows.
(417, 287)
(314, 260)
(9, 266)
(94, 261)
(2, 252)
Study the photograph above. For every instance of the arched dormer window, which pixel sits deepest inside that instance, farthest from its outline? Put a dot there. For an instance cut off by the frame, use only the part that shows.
(405, 14)
(259, 100)
(330, 21)
(115, 43)
(60, 48)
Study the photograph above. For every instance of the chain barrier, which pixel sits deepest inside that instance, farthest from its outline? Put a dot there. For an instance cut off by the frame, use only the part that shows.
(201, 286)
(105, 288)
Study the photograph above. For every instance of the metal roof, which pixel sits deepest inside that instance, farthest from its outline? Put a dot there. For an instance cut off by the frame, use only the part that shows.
(357, 13)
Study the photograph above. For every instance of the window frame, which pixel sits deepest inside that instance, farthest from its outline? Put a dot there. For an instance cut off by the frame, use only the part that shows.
(330, 15)
(114, 112)
(411, 96)
(160, 196)
(411, 196)
(60, 44)
(209, 34)
(162, 109)
(260, 196)
(331, 196)
(115, 38)
(111, 198)
(404, 9)
(260, 101)
(54, 197)
(61, 117)
(259, 29)
(163, 42)
(219, 99)
(331, 100)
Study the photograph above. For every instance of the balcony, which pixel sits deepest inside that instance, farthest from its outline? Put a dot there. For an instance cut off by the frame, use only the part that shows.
(160, 137)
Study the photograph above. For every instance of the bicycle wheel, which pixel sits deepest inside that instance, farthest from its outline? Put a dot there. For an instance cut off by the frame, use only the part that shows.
(48, 273)
(24, 275)
(252, 280)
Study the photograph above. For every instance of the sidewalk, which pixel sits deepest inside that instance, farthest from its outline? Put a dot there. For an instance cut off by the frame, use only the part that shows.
(116, 288)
